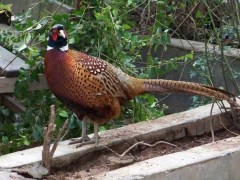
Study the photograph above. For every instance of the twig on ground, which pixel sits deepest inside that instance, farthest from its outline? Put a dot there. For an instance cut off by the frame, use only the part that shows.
(211, 123)
(222, 106)
(140, 143)
(235, 113)
(48, 134)
(236, 134)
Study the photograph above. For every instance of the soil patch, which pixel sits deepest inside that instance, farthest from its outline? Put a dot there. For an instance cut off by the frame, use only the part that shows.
(106, 161)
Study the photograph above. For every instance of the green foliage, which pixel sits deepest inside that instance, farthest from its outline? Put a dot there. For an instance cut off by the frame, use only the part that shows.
(102, 29)
(139, 111)
(115, 31)
(5, 7)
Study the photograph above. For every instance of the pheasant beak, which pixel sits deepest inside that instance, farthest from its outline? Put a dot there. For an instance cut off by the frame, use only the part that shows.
(62, 34)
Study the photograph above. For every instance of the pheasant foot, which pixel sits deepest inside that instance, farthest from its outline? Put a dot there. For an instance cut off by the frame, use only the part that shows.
(91, 141)
(84, 140)
(81, 140)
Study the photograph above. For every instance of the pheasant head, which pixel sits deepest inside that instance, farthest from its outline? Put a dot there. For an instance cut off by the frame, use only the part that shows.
(58, 38)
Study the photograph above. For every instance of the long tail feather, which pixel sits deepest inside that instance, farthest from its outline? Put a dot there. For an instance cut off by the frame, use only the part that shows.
(170, 86)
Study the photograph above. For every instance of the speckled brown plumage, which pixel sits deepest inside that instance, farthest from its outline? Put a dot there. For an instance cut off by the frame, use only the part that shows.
(84, 84)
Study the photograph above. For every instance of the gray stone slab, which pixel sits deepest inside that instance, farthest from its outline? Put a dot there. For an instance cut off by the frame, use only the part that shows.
(8, 175)
(197, 46)
(10, 65)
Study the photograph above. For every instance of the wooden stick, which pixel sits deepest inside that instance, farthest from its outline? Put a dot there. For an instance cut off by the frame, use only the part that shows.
(140, 143)
(47, 154)
(236, 134)
(211, 123)
(48, 134)
(58, 139)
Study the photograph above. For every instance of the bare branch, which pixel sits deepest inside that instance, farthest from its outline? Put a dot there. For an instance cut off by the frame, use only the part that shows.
(140, 143)
(58, 139)
(48, 134)
(211, 123)
(47, 154)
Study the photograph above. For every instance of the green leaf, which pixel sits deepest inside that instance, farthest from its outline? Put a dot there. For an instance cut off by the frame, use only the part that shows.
(37, 132)
(71, 40)
(153, 104)
(28, 38)
(8, 128)
(129, 2)
(102, 128)
(5, 140)
(34, 75)
(63, 113)
(22, 47)
(126, 27)
(160, 2)
(26, 142)
(6, 6)
(38, 26)
(189, 56)
(41, 37)
(158, 32)
(199, 14)
(115, 12)
(5, 112)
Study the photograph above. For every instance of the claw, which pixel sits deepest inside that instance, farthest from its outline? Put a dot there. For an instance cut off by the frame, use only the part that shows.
(92, 141)
(84, 140)
(81, 140)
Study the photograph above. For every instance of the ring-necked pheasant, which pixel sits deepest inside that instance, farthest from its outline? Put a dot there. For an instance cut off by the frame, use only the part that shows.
(94, 89)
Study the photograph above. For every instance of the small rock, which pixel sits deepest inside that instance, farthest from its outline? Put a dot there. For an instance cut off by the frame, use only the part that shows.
(35, 171)
(117, 162)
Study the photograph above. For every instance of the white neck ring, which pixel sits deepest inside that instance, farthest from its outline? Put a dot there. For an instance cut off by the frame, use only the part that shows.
(64, 48)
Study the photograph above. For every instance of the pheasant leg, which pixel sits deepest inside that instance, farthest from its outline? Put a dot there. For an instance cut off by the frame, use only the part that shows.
(95, 138)
(84, 137)
(84, 140)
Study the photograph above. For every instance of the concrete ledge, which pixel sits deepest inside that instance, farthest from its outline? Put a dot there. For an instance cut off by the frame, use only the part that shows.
(8, 175)
(175, 126)
(197, 46)
(215, 161)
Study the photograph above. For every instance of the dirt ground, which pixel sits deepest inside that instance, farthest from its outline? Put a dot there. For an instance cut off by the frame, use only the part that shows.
(104, 162)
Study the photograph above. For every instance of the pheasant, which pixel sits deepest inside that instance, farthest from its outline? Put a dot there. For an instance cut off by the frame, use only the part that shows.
(95, 90)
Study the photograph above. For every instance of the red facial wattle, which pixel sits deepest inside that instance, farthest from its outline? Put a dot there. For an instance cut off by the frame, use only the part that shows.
(54, 36)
